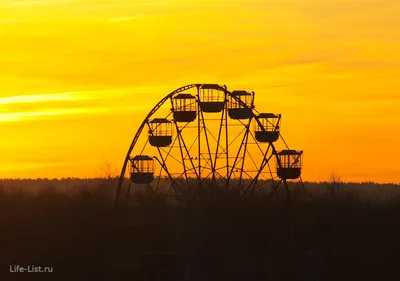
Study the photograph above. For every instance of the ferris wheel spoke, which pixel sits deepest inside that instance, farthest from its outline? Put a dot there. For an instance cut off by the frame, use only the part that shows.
(266, 181)
(219, 174)
(144, 147)
(158, 180)
(243, 143)
(206, 178)
(256, 142)
(205, 166)
(218, 142)
(219, 136)
(247, 174)
(259, 147)
(284, 141)
(182, 156)
(275, 187)
(230, 144)
(208, 144)
(187, 151)
(263, 164)
(168, 153)
(252, 159)
(164, 159)
(303, 188)
(244, 153)
(208, 175)
(195, 141)
(270, 170)
(174, 185)
(182, 174)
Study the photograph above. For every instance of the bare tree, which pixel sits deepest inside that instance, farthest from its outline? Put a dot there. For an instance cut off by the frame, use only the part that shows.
(334, 185)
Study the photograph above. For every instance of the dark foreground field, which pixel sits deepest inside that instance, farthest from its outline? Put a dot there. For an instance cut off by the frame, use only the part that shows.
(351, 232)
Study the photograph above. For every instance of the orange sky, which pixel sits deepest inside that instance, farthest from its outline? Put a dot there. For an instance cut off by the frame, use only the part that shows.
(78, 76)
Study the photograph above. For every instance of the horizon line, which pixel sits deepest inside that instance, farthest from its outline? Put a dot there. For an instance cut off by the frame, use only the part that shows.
(117, 177)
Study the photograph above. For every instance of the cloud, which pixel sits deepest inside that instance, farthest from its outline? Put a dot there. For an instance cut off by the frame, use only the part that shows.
(23, 166)
(23, 116)
(122, 19)
(14, 20)
(88, 95)
(58, 105)
(33, 3)
(68, 96)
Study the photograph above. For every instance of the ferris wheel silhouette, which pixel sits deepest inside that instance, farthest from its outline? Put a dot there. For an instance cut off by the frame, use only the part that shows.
(202, 138)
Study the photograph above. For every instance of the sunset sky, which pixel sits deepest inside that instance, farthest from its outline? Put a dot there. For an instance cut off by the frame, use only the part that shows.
(77, 77)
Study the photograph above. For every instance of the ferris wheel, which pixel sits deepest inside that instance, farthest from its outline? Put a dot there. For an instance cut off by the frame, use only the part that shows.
(203, 138)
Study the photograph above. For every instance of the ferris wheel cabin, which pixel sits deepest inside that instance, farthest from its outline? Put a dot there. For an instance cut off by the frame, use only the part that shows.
(184, 108)
(211, 98)
(142, 169)
(290, 164)
(160, 133)
(236, 109)
(269, 129)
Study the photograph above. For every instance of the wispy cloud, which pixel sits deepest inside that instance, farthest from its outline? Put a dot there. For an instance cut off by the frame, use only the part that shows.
(24, 116)
(139, 92)
(122, 19)
(57, 105)
(32, 3)
(24, 166)
(68, 96)
(14, 20)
